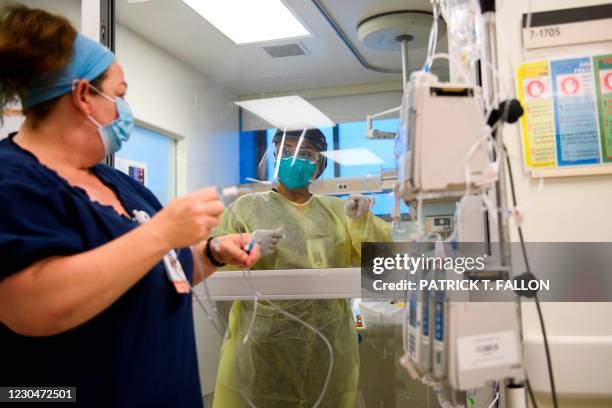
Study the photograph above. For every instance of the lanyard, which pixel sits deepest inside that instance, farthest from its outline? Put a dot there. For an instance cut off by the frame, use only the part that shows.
(174, 270)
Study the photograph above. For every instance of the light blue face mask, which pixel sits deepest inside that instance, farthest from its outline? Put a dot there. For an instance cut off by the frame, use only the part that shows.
(119, 130)
(298, 175)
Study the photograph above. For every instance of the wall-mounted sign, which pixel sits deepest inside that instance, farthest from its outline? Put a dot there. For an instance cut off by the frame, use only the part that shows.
(568, 26)
(134, 169)
(567, 123)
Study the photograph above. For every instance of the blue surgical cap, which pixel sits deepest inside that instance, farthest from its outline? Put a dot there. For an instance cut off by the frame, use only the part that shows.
(89, 60)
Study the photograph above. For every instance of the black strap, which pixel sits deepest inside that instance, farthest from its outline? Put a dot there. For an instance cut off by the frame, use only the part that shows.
(209, 255)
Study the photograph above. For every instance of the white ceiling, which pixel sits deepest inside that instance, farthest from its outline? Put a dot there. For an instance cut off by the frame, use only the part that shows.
(248, 69)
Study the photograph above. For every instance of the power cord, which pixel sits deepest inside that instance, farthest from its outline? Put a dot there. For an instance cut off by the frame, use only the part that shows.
(535, 296)
(531, 395)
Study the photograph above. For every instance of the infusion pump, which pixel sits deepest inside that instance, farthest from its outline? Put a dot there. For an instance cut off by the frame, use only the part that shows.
(442, 143)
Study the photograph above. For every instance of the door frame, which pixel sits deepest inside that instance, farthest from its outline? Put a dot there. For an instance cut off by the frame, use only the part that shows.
(180, 159)
(98, 23)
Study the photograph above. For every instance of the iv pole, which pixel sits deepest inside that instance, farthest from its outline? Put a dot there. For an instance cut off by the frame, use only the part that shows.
(512, 395)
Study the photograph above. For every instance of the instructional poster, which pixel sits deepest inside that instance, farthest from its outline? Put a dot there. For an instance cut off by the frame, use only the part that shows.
(575, 111)
(603, 85)
(568, 112)
(537, 122)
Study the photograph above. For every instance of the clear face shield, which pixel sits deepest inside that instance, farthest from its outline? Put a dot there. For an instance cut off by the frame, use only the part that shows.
(293, 162)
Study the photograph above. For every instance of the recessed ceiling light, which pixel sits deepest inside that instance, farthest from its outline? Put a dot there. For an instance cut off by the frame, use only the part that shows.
(287, 112)
(250, 21)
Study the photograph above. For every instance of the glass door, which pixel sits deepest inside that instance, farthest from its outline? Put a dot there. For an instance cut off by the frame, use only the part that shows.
(189, 77)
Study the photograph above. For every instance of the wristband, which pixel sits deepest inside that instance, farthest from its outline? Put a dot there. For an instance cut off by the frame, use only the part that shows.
(209, 255)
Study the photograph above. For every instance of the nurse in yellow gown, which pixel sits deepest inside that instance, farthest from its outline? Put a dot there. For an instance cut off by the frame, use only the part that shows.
(284, 364)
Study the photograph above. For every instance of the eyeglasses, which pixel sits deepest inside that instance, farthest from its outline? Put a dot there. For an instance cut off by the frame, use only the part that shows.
(306, 154)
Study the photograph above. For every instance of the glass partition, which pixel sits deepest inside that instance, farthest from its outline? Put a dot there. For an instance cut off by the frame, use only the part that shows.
(383, 382)
(324, 190)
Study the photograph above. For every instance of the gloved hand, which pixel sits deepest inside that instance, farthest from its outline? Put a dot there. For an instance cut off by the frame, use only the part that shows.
(358, 205)
(268, 239)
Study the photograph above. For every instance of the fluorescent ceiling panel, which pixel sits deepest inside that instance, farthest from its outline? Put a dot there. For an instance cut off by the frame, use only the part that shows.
(354, 157)
(287, 112)
(250, 21)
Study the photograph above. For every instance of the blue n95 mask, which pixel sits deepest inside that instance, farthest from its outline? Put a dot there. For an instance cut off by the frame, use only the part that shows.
(298, 175)
(119, 130)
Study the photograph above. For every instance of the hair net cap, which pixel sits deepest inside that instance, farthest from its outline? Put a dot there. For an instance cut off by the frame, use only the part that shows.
(314, 136)
(89, 60)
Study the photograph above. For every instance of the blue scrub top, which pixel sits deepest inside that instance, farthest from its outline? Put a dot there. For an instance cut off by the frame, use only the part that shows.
(140, 352)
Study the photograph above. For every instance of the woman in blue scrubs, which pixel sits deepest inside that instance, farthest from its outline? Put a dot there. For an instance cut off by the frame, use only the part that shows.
(85, 300)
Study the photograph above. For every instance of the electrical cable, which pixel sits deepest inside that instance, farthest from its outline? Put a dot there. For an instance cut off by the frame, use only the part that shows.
(200, 269)
(494, 400)
(497, 388)
(433, 36)
(530, 392)
(537, 302)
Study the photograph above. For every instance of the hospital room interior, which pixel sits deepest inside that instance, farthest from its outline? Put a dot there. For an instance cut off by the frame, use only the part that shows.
(409, 121)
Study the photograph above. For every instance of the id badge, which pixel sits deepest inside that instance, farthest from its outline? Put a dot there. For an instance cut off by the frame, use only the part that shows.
(174, 269)
(175, 272)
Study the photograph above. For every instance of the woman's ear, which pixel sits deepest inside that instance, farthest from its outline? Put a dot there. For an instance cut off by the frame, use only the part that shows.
(81, 96)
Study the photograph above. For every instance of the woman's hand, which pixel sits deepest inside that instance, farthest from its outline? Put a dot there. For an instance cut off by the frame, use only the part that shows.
(230, 249)
(189, 219)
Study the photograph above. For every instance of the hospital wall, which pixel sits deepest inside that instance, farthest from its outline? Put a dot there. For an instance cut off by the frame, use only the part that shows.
(568, 209)
(71, 9)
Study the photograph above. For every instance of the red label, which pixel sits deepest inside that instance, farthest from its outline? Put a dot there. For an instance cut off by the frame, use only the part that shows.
(181, 286)
(607, 81)
(570, 86)
(535, 88)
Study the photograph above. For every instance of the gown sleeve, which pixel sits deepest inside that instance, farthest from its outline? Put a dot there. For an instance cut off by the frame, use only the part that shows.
(35, 224)
(368, 228)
